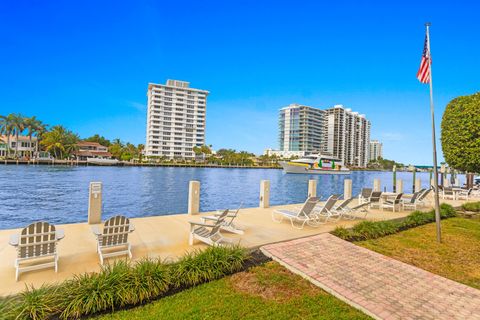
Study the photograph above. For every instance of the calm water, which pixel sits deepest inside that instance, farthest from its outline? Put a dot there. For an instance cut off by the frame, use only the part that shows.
(60, 194)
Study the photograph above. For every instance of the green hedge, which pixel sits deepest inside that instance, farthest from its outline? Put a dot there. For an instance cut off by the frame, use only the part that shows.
(371, 230)
(122, 284)
(471, 206)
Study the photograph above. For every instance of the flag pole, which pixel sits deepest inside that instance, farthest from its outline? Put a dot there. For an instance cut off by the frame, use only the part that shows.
(435, 169)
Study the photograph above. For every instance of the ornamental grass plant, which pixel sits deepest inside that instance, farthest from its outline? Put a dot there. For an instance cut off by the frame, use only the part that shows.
(122, 284)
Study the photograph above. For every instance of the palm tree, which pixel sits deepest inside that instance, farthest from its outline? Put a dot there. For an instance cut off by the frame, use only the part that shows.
(60, 141)
(18, 128)
(7, 128)
(31, 124)
(41, 129)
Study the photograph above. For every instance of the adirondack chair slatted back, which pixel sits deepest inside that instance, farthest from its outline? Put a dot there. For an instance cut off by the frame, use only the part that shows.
(234, 215)
(37, 240)
(308, 206)
(219, 223)
(115, 231)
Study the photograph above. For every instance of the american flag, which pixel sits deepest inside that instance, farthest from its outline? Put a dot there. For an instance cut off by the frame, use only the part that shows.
(423, 74)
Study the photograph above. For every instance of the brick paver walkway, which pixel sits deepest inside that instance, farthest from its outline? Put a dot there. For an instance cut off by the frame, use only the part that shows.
(380, 286)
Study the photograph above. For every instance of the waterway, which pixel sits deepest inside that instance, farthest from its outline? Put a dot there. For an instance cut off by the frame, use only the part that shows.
(59, 194)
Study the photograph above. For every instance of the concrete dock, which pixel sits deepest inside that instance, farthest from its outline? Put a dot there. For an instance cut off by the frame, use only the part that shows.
(163, 237)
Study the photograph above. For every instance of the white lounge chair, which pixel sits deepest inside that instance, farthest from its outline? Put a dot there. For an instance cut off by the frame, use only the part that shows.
(302, 216)
(359, 208)
(342, 209)
(327, 212)
(464, 194)
(112, 239)
(365, 195)
(208, 233)
(388, 204)
(411, 203)
(229, 222)
(38, 241)
(375, 199)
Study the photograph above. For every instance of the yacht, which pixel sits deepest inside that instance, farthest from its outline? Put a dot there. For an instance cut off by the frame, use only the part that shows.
(315, 164)
(102, 161)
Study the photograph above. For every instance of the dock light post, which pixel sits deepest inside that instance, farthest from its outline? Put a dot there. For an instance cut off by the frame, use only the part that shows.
(413, 179)
(394, 179)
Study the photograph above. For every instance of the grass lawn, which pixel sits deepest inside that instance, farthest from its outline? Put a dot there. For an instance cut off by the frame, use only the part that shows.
(456, 258)
(264, 292)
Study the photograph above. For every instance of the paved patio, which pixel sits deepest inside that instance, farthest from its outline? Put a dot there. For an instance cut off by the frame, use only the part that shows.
(159, 236)
(380, 286)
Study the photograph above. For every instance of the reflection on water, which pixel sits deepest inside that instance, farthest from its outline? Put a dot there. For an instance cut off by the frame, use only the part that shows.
(60, 194)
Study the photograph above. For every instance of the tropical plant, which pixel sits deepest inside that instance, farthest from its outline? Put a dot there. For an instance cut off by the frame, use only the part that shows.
(99, 139)
(60, 141)
(32, 125)
(6, 128)
(461, 133)
(18, 128)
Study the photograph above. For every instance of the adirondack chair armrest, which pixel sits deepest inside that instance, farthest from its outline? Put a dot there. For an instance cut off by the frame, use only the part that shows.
(59, 234)
(211, 218)
(14, 238)
(96, 231)
(199, 224)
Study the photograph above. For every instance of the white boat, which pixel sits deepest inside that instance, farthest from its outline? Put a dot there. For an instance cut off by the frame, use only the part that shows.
(102, 161)
(315, 164)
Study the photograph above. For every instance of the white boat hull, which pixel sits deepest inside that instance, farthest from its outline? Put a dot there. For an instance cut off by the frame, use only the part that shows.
(102, 162)
(289, 168)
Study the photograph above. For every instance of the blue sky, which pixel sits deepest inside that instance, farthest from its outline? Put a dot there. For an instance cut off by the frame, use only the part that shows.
(86, 64)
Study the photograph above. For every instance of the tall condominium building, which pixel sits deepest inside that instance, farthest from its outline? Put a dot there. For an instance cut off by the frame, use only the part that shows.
(175, 119)
(348, 136)
(376, 150)
(302, 129)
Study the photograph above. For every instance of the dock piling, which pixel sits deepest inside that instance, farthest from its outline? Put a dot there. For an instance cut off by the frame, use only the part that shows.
(194, 197)
(377, 185)
(95, 203)
(347, 188)
(399, 186)
(312, 188)
(264, 194)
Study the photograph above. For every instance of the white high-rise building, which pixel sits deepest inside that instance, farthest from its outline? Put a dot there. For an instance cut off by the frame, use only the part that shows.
(376, 150)
(302, 129)
(348, 136)
(175, 119)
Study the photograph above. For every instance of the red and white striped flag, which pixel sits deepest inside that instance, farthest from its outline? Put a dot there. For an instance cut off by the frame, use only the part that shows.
(423, 74)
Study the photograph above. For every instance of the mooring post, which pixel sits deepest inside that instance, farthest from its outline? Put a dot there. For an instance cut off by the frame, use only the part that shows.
(194, 197)
(264, 194)
(418, 184)
(399, 186)
(312, 188)
(347, 188)
(377, 185)
(95, 203)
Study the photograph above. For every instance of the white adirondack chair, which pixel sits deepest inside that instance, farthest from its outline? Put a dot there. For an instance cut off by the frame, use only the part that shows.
(38, 241)
(112, 240)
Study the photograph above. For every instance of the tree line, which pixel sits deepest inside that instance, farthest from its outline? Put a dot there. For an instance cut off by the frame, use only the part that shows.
(57, 140)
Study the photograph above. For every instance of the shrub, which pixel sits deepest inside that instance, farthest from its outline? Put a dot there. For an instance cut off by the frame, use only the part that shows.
(210, 264)
(471, 206)
(121, 284)
(35, 304)
(375, 229)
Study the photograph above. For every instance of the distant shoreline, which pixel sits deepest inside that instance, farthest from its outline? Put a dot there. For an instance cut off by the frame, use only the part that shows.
(129, 164)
